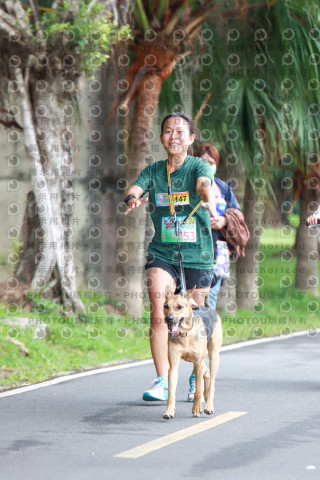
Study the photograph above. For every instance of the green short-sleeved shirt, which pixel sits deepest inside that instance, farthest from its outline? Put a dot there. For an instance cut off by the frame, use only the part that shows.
(195, 238)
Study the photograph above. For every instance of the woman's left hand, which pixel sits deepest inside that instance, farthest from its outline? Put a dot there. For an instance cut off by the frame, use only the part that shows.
(313, 219)
(219, 223)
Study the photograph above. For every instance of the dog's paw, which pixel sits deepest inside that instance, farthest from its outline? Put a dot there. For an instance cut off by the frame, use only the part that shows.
(196, 411)
(168, 414)
(209, 410)
(196, 414)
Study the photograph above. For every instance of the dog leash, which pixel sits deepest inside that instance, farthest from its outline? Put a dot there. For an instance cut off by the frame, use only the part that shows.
(176, 226)
(190, 214)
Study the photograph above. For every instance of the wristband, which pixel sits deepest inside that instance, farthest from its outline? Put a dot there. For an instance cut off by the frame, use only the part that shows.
(129, 197)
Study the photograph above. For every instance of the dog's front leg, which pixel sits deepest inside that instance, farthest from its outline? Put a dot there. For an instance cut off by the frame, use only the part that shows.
(173, 380)
(206, 377)
(214, 346)
(197, 406)
(214, 365)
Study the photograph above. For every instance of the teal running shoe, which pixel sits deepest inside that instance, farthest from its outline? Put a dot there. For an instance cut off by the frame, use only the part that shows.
(192, 389)
(158, 390)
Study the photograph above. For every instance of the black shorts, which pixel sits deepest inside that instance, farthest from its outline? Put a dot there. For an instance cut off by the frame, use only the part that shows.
(194, 276)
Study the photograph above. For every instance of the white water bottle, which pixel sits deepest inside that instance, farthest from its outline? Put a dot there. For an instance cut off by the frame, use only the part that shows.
(222, 266)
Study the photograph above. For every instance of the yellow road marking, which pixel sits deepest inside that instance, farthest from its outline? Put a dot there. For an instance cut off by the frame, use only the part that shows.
(179, 435)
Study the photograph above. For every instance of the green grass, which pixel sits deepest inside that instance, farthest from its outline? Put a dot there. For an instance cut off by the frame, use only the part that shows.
(71, 345)
(281, 309)
(104, 338)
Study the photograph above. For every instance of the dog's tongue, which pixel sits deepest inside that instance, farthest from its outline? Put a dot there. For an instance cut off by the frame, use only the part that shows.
(175, 329)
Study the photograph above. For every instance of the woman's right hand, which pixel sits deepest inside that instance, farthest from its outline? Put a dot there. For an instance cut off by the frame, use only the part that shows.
(135, 203)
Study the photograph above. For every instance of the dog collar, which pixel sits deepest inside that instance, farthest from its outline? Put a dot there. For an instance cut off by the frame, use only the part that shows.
(186, 333)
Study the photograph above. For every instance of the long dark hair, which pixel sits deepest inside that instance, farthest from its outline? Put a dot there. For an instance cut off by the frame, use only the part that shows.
(192, 126)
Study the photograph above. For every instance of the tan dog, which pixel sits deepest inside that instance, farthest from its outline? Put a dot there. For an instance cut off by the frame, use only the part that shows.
(192, 333)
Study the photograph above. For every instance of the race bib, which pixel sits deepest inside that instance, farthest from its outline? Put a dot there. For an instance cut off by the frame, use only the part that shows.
(186, 233)
(180, 198)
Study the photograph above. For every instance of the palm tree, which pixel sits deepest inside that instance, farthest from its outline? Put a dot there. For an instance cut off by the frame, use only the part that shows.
(165, 33)
(248, 54)
(261, 74)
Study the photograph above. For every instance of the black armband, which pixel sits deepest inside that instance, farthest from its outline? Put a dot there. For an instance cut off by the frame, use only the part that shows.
(129, 197)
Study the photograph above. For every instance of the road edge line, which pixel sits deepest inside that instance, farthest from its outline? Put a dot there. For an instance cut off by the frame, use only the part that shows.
(66, 378)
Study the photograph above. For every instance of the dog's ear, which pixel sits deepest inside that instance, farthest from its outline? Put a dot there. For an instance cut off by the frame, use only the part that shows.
(168, 292)
(191, 291)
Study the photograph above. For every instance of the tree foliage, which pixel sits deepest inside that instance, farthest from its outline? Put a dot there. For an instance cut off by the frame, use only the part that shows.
(44, 50)
(83, 30)
(264, 70)
(89, 34)
(253, 63)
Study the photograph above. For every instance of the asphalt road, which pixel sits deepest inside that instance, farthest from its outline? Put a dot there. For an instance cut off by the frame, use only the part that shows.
(73, 430)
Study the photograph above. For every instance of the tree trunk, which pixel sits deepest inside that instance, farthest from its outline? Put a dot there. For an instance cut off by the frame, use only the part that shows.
(235, 173)
(131, 257)
(31, 237)
(275, 217)
(108, 168)
(48, 142)
(247, 267)
(306, 246)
